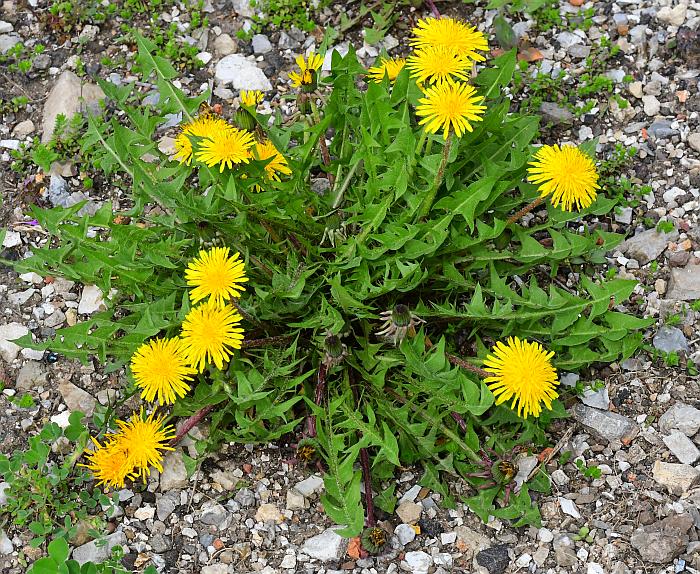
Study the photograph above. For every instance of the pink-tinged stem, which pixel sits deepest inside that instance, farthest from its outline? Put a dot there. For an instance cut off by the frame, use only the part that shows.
(367, 477)
(318, 399)
(190, 423)
(460, 421)
(433, 8)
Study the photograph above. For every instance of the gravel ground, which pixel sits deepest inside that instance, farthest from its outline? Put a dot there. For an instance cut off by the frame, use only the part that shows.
(249, 510)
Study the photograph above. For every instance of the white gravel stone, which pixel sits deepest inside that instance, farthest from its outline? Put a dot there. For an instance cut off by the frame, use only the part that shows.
(652, 106)
(12, 239)
(6, 546)
(91, 300)
(144, 513)
(261, 44)
(682, 417)
(545, 535)
(674, 16)
(405, 533)
(310, 486)
(174, 475)
(409, 512)
(327, 546)
(682, 447)
(8, 333)
(411, 494)
(3, 497)
(569, 507)
(241, 73)
(224, 45)
(418, 562)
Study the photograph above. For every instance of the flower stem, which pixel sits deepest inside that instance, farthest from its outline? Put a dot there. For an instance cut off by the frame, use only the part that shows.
(190, 423)
(367, 478)
(266, 342)
(318, 398)
(428, 200)
(525, 210)
(346, 182)
(433, 8)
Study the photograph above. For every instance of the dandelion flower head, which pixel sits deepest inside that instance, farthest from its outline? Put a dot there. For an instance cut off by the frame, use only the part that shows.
(465, 40)
(435, 64)
(522, 374)
(251, 98)
(217, 275)
(226, 149)
(389, 67)
(276, 162)
(143, 439)
(450, 106)
(567, 174)
(161, 370)
(211, 332)
(205, 126)
(109, 464)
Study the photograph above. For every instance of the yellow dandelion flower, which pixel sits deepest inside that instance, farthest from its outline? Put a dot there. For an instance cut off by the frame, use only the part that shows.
(211, 333)
(465, 40)
(565, 173)
(226, 149)
(389, 67)
(205, 126)
(276, 162)
(216, 275)
(251, 98)
(160, 369)
(307, 70)
(438, 64)
(109, 464)
(522, 371)
(143, 440)
(446, 105)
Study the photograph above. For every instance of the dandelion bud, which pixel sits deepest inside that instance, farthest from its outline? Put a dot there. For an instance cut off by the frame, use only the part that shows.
(374, 539)
(244, 119)
(335, 350)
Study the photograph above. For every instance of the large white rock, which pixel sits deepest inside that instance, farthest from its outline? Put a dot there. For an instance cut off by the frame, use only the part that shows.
(241, 73)
(91, 300)
(68, 97)
(327, 546)
(8, 333)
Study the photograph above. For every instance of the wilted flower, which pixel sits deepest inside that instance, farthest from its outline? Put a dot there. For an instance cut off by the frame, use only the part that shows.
(398, 323)
(335, 351)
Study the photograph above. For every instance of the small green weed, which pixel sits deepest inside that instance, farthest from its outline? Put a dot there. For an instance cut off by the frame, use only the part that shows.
(47, 493)
(665, 226)
(588, 471)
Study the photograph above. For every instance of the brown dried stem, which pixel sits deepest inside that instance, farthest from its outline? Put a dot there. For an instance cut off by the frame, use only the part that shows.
(525, 210)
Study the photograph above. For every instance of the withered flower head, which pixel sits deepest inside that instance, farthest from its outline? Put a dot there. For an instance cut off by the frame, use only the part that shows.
(398, 323)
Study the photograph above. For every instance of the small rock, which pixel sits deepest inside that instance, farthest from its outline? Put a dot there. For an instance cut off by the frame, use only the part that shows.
(6, 546)
(682, 417)
(68, 97)
(269, 512)
(625, 215)
(409, 512)
(310, 486)
(567, 39)
(599, 399)
(448, 538)
(23, 129)
(76, 398)
(470, 541)
(682, 447)
(411, 494)
(61, 419)
(560, 478)
(8, 333)
(5, 27)
(243, 8)
(663, 541)
(540, 556)
(241, 73)
(670, 339)
(261, 44)
(594, 568)
(569, 507)
(245, 498)
(674, 16)
(635, 88)
(12, 239)
(91, 300)
(289, 562)
(418, 562)
(556, 114)
(159, 544)
(32, 374)
(647, 245)
(545, 535)
(174, 475)
(565, 551)
(693, 140)
(494, 559)
(204, 57)
(225, 45)
(523, 560)
(652, 106)
(165, 506)
(8, 41)
(607, 425)
(4, 486)
(296, 500)
(214, 514)
(327, 546)
(216, 569)
(91, 552)
(226, 479)
(144, 513)
(684, 284)
(405, 533)
(677, 478)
